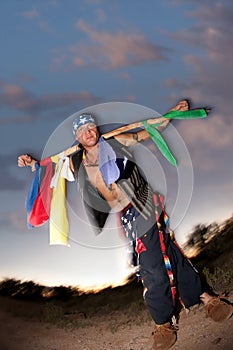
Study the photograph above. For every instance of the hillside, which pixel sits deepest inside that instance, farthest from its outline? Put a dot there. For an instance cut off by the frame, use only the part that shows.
(38, 317)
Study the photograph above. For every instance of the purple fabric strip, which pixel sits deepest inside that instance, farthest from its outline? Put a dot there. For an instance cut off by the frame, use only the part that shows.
(107, 162)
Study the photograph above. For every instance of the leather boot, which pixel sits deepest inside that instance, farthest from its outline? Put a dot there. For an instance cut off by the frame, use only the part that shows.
(165, 336)
(218, 310)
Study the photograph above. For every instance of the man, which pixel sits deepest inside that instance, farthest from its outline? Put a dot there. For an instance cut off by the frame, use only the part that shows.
(108, 180)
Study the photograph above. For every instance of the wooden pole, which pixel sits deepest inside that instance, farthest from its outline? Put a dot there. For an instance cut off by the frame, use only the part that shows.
(120, 130)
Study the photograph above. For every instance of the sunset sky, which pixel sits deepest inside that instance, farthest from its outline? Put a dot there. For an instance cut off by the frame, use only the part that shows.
(61, 57)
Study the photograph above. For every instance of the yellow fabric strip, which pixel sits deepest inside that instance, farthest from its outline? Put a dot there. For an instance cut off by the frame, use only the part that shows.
(59, 226)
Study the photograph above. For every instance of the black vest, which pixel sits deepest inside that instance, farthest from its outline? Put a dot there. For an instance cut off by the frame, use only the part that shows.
(131, 182)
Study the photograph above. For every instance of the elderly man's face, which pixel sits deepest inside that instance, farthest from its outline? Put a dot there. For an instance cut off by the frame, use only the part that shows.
(87, 135)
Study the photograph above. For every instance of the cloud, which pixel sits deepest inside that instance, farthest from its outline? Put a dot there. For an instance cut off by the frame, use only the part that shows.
(100, 14)
(35, 16)
(26, 78)
(171, 82)
(94, 2)
(31, 14)
(212, 33)
(111, 51)
(212, 132)
(131, 98)
(9, 181)
(125, 76)
(211, 83)
(15, 97)
(14, 219)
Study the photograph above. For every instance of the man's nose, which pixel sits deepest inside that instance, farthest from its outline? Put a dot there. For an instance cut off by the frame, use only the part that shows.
(87, 132)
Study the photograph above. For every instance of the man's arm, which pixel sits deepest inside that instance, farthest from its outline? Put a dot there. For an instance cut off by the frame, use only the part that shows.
(130, 139)
(27, 160)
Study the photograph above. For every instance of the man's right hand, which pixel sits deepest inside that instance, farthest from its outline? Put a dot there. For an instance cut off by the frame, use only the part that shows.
(26, 160)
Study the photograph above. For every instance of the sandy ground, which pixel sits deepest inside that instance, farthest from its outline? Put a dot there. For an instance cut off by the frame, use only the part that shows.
(114, 331)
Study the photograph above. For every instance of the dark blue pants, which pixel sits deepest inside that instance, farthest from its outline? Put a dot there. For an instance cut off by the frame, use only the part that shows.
(154, 274)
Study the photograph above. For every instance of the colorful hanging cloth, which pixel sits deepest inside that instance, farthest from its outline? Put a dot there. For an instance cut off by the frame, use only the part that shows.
(38, 201)
(47, 194)
(58, 223)
(157, 137)
(46, 198)
(107, 162)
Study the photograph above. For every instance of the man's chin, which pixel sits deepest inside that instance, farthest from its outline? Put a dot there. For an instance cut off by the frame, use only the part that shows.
(91, 142)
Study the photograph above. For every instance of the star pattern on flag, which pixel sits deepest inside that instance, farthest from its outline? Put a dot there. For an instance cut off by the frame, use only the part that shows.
(128, 221)
(83, 120)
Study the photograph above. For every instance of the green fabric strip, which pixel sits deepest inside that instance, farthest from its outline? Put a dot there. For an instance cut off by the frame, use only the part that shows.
(157, 137)
(190, 114)
(160, 142)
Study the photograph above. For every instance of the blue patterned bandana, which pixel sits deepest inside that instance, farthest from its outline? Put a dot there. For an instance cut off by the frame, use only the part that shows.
(83, 119)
